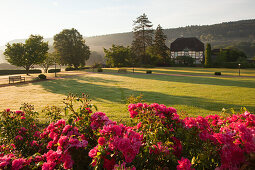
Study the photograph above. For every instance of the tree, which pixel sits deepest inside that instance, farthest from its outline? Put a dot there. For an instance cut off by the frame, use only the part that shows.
(160, 46)
(118, 56)
(71, 47)
(26, 55)
(143, 33)
(208, 55)
(49, 61)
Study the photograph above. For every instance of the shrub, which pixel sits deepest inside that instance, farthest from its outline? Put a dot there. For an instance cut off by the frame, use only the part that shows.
(99, 69)
(157, 139)
(42, 76)
(53, 70)
(69, 69)
(134, 99)
(148, 71)
(9, 72)
(217, 73)
(122, 70)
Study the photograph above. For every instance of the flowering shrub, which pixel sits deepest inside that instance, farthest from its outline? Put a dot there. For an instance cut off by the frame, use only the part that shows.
(158, 139)
(118, 143)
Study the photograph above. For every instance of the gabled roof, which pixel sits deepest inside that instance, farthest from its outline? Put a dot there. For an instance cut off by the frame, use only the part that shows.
(191, 43)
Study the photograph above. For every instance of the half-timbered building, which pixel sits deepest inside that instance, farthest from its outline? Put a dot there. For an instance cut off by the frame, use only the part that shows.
(191, 47)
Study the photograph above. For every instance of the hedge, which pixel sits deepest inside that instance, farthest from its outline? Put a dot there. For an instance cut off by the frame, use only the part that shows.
(72, 68)
(9, 72)
(53, 70)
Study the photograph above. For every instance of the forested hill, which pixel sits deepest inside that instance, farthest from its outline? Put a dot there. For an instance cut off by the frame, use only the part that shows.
(223, 34)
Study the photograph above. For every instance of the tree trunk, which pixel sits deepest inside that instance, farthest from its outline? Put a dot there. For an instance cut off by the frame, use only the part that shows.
(27, 69)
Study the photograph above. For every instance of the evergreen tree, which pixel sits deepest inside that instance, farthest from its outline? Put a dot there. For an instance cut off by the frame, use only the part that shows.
(160, 46)
(208, 55)
(143, 33)
(71, 47)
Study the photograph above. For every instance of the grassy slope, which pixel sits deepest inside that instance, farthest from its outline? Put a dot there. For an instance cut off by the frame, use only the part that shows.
(192, 95)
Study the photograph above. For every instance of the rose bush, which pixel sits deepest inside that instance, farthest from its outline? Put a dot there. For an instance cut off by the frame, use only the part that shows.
(157, 139)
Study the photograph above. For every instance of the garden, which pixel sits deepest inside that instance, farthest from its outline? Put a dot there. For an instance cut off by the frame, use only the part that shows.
(79, 136)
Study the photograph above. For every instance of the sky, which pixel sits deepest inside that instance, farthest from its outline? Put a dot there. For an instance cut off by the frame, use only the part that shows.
(21, 18)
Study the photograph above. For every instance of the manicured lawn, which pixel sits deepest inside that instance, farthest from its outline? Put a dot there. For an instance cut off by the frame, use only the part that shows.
(190, 71)
(191, 95)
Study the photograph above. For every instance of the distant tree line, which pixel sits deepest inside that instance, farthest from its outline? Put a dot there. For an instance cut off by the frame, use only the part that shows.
(148, 47)
(225, 57)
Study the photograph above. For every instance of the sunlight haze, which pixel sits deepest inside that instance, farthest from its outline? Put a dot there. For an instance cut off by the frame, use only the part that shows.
(20, 18)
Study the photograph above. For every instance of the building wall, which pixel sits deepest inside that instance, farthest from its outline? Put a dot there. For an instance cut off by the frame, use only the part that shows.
(197, 55)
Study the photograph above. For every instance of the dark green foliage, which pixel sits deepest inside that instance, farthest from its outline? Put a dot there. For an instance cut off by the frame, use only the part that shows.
(230, 58)
(71, 48)
(217, 73)
(54, 70)
(42, 76)
(235, 65)
(118, 56)
(185, 60)
(9, 72)
(70, 69)
(99, 69)
(148, 71)
(143, 36)
(208, 54)
(26, 55)
(159, 46)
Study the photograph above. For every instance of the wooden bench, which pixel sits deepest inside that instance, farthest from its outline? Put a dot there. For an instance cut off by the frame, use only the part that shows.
(16, 78)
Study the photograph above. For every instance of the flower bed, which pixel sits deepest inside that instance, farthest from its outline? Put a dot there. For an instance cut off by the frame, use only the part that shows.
(158, 139)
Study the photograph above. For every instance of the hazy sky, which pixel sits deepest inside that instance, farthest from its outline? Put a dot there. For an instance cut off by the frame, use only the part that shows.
(20, 18)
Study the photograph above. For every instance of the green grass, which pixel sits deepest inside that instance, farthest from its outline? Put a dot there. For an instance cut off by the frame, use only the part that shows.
(191, 95)
(189, 71)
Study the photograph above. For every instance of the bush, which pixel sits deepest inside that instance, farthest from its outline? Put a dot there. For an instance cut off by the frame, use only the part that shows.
(9, 72)
(69, 69)
(53, 70)
(157, 138)
(99, 70)
(217, 73)
(42, 76)
(122, 70)
(148, 71)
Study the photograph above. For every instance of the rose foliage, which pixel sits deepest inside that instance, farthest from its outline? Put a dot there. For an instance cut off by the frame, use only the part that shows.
(157, 138)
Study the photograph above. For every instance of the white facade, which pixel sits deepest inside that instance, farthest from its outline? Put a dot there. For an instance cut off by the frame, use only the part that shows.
(196, 55)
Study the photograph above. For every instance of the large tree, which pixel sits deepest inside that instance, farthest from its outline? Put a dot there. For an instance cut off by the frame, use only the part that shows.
(143, 34)
(71, 47)
(26, 55)
(208, 53)
(160, 48)
(118, 56)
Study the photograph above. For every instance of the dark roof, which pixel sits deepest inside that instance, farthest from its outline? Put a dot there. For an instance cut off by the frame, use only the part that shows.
(192, 43)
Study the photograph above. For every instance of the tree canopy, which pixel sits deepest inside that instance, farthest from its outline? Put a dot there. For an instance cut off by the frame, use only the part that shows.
(143, 36)
(160, 48)
(32, 52)
(118, 56)
(208, 53)
(71, 47)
